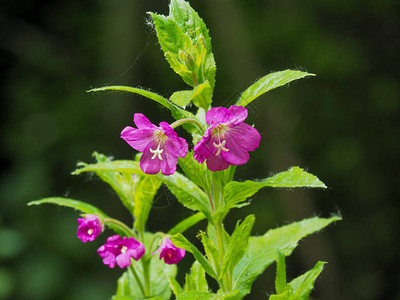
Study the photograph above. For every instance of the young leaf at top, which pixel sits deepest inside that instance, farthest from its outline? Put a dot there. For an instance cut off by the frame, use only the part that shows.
(236, 192)
(269, 82)
(185, 41)
(261, 251)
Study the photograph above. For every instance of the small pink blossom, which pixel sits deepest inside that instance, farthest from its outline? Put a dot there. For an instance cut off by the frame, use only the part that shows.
(170, 253)
(227, 140)
(160, 145)
(89, 228)
(120, 250)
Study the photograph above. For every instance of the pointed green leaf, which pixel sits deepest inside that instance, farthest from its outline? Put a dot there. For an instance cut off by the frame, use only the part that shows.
(144, 193)
(198, 277)
(303, 285)
(202, 95)
(75, 204)
(181, 98)
(269, 82)
(176, 288)
(238, 244)
(284, 296)
(181, 242)
(194, 295)
(211, 251)
(261, 251)
(236, 192)
(187, 223)
(280, 281)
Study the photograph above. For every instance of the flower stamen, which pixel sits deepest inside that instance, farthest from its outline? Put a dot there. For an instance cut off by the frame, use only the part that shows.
(220, 147)
(157, 153)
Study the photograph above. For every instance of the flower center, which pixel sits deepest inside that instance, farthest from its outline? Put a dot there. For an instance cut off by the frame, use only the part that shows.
(124, 249)
(157, 153)
(220, 147)
(90, 231)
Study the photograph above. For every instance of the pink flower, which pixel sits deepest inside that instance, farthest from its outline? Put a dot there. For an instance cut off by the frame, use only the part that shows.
(89, 228)
(160, 145)
(120, 250)
(227, 140)
(170, 253)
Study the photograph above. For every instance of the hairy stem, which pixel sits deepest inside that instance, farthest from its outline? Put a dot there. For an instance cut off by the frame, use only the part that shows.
(139, 283)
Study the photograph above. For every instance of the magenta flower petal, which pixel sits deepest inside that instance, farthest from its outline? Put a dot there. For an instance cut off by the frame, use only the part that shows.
(118, 250)
(160, 145)
(89, 228)
(217, 163)
(138, 139)
(228, 140)
(217, 115)
(142, 122)
(170, 253)
(237, 115)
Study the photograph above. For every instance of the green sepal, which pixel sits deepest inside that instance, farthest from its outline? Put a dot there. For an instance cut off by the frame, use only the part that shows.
(269, 82)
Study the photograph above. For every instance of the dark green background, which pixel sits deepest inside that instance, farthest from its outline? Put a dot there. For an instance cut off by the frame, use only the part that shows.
(342, 125)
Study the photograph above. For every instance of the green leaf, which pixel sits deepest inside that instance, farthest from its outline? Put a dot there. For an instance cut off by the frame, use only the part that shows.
(261, 251)
(192, 25)
(269, 82)
(236, 192)
(285, 296)
(196, 281)
(211, 251)
(181, 242)
(202, 95)
(187, 193)
(176, 288)
(144, 193)
(177, 112)
(280, 281)
(198, 173)
(303, 285)
(187, 223)
(75, 204)
(194, 295)
(238, 244)
(181, 98)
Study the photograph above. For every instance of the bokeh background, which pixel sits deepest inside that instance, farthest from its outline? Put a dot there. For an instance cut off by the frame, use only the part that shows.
(342, 125)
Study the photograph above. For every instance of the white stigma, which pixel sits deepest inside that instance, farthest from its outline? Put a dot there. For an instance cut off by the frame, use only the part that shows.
(220, 147)
(123, 249)
(157, 152)
(90, 231)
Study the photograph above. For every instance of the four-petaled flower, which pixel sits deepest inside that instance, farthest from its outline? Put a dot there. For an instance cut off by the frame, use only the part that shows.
(160, 145)
(89, 228)
(227, 140)
(120, 250)
(170, 253)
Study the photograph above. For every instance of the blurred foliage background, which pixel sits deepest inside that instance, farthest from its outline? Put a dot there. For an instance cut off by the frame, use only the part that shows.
(342, 125)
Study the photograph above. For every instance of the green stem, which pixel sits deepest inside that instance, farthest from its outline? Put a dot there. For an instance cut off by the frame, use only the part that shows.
(146, 275)
(188, 120)
(129, 232)
(139, 283)
(219, 231)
